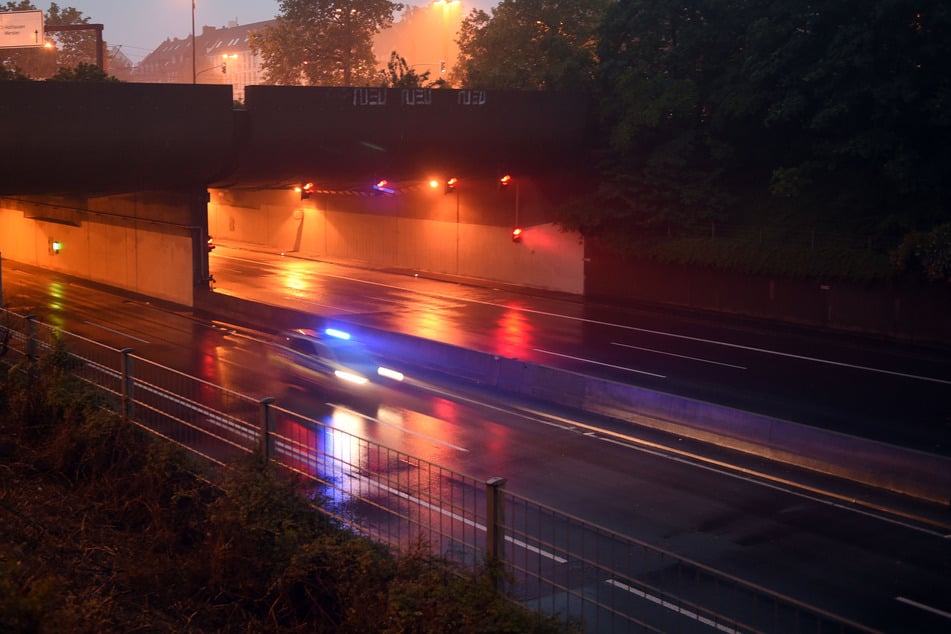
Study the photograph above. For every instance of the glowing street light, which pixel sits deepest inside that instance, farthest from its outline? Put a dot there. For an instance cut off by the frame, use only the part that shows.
(445, 5)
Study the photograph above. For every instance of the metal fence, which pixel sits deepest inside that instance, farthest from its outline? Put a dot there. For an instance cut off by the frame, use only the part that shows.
(549, 561)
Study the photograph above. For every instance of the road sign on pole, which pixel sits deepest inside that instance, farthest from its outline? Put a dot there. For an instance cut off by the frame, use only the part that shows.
(21, 29)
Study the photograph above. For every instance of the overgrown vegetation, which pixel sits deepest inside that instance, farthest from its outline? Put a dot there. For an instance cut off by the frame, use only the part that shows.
(104, 528)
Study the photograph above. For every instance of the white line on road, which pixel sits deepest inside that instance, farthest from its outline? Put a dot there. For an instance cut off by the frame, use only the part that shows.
(115, 332)
(681, 356)
(607, 365)
(459, 518)
(922, 606)
(670, 606)
(759, 478)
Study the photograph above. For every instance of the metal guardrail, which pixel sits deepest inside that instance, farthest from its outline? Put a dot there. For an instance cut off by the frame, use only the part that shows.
(549, 561)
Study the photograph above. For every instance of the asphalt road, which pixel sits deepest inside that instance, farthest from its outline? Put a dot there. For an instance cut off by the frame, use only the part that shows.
(880, 561)
(893, 392)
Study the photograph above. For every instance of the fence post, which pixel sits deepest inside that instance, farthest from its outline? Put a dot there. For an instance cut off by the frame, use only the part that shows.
(266, 427)
(31, 337)
(127, 382)
(495, 527)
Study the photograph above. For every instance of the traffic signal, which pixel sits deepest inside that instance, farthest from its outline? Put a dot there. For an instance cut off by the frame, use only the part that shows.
(55, 247)
(211, 244)
(517, 234)
(451, 185)
(505, 181)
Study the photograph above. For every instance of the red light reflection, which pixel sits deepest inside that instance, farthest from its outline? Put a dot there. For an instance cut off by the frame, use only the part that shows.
(512, 336)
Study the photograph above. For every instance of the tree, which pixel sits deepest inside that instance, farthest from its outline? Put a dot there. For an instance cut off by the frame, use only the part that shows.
(398, 74)
(324, 42)
(65, 49)
(859, 92)
(665, 68)
(530, 44)
(82, 72)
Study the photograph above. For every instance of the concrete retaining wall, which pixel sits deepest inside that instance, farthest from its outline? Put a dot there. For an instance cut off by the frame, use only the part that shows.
(106, 240)
(913, 473)
(422, 230)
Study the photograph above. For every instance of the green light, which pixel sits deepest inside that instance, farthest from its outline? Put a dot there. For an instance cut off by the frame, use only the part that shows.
(57, 246)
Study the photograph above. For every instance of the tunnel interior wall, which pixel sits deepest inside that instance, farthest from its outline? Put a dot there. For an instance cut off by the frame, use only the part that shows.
(418, 231)
(145, 256)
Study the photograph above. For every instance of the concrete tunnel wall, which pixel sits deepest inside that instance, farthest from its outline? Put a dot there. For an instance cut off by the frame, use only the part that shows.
(913, 473)
(148, 243)
(417, 230)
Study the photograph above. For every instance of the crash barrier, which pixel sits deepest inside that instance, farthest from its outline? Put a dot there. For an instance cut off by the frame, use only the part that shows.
(546, 560)
(913, 473)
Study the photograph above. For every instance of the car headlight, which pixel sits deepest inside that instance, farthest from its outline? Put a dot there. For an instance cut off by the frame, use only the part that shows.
(350, 377)
(390, 374)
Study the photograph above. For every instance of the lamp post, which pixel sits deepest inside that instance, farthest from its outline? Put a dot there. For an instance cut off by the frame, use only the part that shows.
(194, 73)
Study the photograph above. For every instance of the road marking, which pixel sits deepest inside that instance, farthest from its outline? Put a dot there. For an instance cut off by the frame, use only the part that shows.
(681, 356)
(459, 518)
(922, 606)
(607, 365)
(670, 606)
(459, 397)
(115, 332)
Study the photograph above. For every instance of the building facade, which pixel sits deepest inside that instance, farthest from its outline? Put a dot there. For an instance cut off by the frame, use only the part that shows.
(223, 55)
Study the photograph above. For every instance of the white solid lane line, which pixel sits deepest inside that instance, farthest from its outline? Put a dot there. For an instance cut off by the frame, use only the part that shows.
(607, 365)
(922, 606)
(115, 332)
(680, 356)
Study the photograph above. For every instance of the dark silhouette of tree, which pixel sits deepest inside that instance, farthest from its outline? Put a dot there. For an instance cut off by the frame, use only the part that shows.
(82, 72)
(530, 44)
(398, 74)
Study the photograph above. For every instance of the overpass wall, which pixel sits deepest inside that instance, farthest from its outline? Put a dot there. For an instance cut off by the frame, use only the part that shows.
(423, 230)
(142, 242)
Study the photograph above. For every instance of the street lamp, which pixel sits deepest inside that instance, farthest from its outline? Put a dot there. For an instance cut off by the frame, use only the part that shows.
(194, 73)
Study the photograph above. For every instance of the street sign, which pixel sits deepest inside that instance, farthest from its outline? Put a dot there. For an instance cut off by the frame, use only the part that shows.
(21, 29)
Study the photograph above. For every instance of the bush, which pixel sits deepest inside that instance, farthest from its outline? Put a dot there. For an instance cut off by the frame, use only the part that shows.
(103, 528)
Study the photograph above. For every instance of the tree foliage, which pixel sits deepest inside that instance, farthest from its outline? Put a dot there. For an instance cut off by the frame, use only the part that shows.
(82, 72)
(324, 42)
(530, 44)
(836, 110)
(398, 74)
